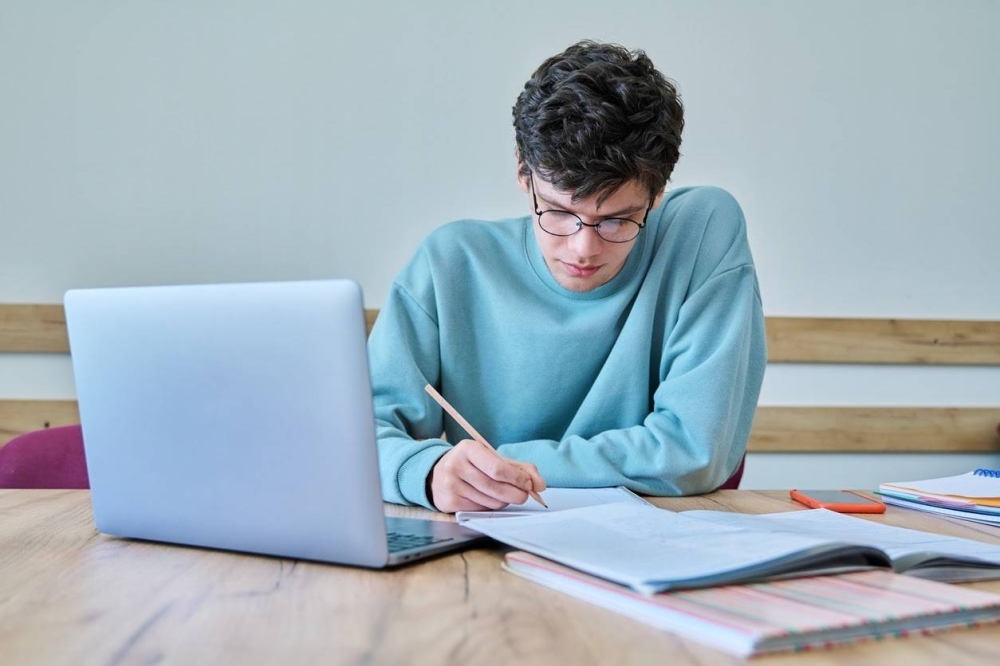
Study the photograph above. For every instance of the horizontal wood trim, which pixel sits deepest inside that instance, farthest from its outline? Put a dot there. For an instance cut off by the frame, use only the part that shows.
(898, 341)
(42, 329)
(875, 430)
(33, 328)
(21, 416)
(775, 429)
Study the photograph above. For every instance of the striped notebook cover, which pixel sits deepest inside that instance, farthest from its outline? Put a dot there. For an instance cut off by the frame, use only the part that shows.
(788, 615)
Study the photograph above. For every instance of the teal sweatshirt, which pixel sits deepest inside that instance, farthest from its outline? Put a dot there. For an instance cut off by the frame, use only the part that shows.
(649, 381)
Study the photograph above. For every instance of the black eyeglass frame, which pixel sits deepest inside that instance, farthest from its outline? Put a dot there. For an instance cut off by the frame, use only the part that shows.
(581, 224)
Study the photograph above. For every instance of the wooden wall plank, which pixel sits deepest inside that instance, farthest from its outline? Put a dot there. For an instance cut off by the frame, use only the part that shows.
(875, 430)
(32, 328)
(21, 416)
(42, 328)
(900, 341)
(775, 430)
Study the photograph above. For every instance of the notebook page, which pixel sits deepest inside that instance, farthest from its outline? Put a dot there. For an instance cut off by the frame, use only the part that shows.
(898, 542)
(963, 485)
(978, 514)
(559, 499)
(638, 544)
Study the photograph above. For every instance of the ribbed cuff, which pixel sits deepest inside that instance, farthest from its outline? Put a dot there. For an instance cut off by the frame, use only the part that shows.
(412, 477)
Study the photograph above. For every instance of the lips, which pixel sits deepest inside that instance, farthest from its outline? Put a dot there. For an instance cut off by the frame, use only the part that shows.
(580, 271)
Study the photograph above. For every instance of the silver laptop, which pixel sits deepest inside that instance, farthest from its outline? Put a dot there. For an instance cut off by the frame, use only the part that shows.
(238, 416)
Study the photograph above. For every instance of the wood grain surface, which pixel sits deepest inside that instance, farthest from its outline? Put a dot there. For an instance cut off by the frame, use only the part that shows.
(875, 430)
(69, 595)
(775, 429)
(21, 416)
(904, 341)
(26, 327)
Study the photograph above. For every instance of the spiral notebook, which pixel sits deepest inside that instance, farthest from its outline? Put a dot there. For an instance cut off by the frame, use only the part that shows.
(972, 496)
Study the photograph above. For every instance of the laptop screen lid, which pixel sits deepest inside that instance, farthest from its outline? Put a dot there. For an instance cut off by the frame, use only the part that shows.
(232, 416)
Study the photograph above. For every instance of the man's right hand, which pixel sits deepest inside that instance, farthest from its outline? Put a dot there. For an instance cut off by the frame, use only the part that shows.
(474, 477)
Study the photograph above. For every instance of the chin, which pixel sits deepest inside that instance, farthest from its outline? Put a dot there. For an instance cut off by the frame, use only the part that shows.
(581, 284)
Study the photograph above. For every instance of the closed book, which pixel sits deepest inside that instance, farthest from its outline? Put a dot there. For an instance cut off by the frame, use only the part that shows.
(786, 615)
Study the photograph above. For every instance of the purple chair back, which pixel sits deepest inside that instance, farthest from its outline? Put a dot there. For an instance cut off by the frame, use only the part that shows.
(50, 458)
(733, 483)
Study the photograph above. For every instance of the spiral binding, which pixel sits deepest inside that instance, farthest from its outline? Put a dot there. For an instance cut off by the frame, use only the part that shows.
(993, 473)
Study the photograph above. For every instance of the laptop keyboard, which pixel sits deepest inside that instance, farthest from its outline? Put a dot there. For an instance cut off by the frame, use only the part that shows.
(405, 541)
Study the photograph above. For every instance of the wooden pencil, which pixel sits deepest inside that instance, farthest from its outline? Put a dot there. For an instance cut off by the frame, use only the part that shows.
(439, 399)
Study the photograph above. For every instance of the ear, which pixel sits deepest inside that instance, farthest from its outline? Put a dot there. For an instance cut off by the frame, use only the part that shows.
(522, 180)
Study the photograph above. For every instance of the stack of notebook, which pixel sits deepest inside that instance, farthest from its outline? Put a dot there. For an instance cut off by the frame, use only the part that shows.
(795, 614)
(974, 496)
(726, 579)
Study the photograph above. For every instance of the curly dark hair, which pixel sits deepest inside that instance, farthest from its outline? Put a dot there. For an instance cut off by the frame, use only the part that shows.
(597, 116)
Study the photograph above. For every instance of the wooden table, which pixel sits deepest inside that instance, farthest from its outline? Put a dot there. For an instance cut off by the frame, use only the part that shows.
(69, 595)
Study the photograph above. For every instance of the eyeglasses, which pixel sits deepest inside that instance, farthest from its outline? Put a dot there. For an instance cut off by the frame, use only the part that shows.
(565, 223)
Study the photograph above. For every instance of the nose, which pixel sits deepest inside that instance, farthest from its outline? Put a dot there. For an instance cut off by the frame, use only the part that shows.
(586, 243)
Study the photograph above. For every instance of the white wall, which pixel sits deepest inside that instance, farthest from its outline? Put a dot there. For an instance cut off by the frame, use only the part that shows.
(151, 143)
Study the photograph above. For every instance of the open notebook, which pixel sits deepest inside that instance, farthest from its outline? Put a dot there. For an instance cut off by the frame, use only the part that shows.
(652, 550)
(559, 499)
(796, 614)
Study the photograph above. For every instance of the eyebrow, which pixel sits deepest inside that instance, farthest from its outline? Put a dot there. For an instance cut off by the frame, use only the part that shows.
(624, 212)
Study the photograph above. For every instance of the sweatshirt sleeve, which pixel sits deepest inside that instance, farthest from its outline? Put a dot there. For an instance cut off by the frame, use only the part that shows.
(404, 356)
(696, 434)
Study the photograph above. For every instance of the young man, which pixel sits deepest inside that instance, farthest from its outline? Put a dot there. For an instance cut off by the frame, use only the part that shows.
(612, 336)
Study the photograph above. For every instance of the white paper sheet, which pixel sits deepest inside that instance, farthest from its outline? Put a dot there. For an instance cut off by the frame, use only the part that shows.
(559, 499)
(897, 542)
(977, 486)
